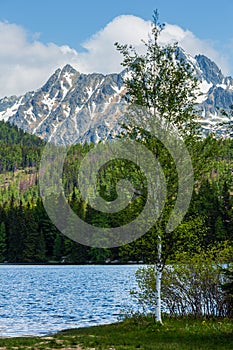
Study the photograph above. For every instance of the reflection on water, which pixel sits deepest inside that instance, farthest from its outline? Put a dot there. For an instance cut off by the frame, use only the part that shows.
(40, 299)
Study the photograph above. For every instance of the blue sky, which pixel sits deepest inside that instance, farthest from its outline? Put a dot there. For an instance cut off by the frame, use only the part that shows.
(46, 34)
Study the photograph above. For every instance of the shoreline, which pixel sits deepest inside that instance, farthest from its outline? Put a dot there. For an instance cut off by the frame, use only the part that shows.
(75, 264)
(176, 334)
(55, 333)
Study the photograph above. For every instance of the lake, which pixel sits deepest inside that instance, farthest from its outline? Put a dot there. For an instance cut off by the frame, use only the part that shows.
(44, 299)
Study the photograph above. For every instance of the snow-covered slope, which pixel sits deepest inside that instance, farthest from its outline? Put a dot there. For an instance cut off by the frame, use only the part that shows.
(74, 107)
(67, 106)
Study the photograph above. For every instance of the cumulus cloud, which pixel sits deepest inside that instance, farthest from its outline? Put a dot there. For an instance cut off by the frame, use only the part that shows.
(26, 64)
(193, 45)
(101, 54)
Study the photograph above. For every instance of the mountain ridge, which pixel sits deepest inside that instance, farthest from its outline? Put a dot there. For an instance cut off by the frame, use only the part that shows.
(75, 107)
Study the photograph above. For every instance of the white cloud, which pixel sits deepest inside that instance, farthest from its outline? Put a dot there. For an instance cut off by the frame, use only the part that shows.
(193, 45)
(25, 65)
(101, 54)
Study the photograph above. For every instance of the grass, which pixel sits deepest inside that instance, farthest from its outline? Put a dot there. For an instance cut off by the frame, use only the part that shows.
(131, 334)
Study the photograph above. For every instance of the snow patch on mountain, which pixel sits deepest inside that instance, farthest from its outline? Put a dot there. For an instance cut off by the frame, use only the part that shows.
(11, 108)
(74, 107)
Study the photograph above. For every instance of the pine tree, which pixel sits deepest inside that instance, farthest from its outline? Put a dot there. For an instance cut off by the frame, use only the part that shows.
(34, 244)
(16, 227)
(57, 249)
(3, 243)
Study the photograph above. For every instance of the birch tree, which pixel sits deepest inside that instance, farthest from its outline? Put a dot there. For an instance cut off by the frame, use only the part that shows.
(161, 81)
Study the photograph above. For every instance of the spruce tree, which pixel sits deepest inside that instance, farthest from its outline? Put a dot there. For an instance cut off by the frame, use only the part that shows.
(3, 243)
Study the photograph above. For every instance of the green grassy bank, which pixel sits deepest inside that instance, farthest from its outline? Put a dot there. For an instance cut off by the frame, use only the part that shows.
(184, 334)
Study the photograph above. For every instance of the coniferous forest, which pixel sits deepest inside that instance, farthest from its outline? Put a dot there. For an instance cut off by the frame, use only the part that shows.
(28, 236)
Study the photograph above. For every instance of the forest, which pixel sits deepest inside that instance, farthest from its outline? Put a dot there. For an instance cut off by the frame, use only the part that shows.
(28, 236)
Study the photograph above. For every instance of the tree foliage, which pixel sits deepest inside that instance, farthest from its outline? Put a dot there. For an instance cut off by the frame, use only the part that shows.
(192, 286)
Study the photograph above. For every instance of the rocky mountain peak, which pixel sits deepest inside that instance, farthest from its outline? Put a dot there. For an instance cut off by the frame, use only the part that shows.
(76, 107)
(211, 72)
(68, 69)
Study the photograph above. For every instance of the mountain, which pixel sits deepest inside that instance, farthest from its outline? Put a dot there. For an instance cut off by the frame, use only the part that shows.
(73, 107)
(68, 105)
(217, 94)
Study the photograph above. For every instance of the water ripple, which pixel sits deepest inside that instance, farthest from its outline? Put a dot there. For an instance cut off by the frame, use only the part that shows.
(39, 300)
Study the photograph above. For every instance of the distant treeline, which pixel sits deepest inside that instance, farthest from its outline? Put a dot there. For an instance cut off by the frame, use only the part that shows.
(18, 149)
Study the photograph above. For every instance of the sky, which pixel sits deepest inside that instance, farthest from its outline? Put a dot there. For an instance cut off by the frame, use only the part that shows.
(37, 37)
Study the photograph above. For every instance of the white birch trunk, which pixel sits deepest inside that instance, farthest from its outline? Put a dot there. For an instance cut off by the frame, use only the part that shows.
(158, 316)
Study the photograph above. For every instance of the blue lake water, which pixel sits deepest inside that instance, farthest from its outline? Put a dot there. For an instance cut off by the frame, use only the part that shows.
(40, 299)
